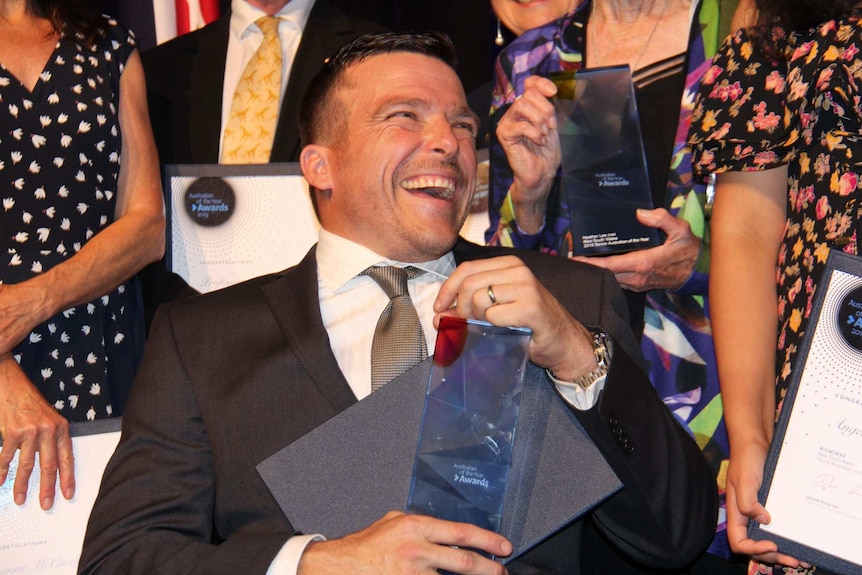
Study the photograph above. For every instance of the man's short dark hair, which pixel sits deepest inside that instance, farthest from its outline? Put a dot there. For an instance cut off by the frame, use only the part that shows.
(317, 115)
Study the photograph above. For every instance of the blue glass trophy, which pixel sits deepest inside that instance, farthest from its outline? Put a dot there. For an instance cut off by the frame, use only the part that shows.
(605, 177)
(469, 420)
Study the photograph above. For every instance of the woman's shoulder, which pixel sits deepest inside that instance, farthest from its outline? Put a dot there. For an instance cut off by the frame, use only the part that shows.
(113, 45)
(740, 112)
(116, 34)
(834, 41)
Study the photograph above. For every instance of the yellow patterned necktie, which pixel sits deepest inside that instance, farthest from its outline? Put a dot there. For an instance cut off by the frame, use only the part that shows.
(253, 116)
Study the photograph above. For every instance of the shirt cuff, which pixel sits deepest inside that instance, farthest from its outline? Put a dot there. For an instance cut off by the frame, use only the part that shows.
(287, 560)
(575, 395)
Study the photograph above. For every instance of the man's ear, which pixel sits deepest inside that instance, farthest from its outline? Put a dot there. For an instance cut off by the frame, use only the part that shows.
(315, 163)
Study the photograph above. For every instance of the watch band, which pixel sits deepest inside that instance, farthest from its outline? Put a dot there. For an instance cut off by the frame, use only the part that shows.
(603, 348)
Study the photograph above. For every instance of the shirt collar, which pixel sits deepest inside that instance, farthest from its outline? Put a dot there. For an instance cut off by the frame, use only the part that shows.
(339, 260)
(244, 15)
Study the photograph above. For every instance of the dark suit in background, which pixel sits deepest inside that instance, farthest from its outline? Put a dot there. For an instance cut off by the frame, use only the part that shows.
(231, 377)
(185, 78)
(473, 29)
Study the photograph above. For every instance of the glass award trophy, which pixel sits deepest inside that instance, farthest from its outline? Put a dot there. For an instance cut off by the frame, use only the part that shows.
(468, 425)
(605, 176)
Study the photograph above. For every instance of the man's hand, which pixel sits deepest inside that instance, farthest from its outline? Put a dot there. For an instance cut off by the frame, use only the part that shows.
(528, 134)
(399, 543)
(663, 267)
(28, 423)
(558, 342)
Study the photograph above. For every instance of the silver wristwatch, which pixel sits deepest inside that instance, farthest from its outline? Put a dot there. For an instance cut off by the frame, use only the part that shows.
(603, 347)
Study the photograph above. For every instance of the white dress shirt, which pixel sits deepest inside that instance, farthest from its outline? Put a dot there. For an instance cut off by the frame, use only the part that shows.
(245, 38)
(350, 305)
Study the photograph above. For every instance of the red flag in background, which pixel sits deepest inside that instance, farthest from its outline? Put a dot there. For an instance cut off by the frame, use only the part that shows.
(174, 17)
(194, 14)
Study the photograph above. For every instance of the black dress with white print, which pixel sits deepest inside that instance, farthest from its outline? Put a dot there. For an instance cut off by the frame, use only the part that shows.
(60, 149)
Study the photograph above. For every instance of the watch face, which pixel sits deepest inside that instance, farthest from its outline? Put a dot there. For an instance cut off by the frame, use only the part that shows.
(602, 348)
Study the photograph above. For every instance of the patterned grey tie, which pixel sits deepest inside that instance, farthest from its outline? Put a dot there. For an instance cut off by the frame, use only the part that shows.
(399, 342)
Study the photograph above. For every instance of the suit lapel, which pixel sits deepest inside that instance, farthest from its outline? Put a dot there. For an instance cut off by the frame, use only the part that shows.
(294, 300)
(204, 93)
(327, 30)
(465, 251)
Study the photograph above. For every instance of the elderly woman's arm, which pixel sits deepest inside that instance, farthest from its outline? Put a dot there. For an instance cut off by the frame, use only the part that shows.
(115, 254)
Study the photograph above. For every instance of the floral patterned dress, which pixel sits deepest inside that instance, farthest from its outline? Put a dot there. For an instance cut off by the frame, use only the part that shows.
(755, 113)
(59, 165)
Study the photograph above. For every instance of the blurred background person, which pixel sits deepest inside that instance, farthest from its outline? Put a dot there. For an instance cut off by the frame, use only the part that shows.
(778, 119)
(668, 44)
(205, 91)
(82, 213)
(192, 79)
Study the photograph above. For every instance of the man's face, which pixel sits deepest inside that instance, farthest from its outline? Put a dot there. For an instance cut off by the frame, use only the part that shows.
(402, 167)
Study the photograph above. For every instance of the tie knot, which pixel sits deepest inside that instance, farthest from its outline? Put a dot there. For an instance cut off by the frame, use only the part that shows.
(392, 279)
(268, 25)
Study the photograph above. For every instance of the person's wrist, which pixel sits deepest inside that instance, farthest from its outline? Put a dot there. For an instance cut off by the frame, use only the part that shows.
(598, 366)
(528, 208)
(52, 301)
(750, 441)
(689, 267)
(42, 297)
(317, 559)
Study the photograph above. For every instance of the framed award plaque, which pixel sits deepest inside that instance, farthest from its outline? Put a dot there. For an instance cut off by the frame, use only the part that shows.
(230, 223)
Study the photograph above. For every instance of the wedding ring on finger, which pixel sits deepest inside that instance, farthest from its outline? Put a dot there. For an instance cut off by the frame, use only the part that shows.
(491, 295)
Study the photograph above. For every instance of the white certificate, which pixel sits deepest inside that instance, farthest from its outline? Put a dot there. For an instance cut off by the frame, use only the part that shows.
(228, 224)
(813, 479)
(36, 541)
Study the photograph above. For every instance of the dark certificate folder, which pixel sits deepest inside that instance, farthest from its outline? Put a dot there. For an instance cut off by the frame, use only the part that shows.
(354, 468)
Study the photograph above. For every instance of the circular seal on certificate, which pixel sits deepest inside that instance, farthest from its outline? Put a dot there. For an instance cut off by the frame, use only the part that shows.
(210, 201)
(850, 318)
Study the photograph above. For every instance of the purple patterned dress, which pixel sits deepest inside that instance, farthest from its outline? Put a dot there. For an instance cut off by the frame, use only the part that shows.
(677, 337)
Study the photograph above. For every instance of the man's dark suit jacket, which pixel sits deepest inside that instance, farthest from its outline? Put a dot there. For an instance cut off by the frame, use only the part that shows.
(231, 377)
(185, 79)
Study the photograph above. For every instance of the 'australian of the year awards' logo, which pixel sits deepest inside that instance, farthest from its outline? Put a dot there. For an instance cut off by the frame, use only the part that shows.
(210, 201)
(850, 318)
